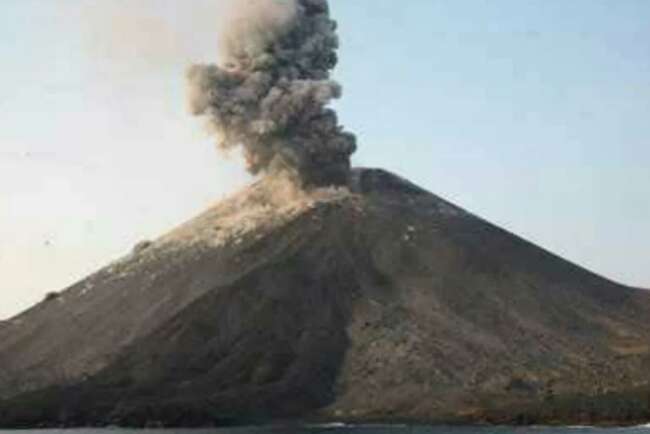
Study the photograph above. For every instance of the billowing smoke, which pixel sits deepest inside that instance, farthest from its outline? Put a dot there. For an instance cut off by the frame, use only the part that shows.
(271, 90)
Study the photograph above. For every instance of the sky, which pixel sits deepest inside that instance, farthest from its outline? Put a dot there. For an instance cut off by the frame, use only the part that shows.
(532, 114)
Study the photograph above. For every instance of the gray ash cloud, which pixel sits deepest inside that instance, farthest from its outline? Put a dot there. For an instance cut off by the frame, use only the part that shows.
(270, 94)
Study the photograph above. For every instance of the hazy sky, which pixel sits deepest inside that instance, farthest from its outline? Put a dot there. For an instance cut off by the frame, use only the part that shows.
(533, 114)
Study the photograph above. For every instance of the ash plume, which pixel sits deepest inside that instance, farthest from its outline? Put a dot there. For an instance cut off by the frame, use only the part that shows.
(271, 91)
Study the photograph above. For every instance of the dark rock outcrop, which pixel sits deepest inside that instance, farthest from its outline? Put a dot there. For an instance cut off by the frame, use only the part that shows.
(383, 303)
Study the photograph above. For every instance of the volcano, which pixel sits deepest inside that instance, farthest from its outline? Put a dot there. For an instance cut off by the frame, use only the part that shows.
(374, 302)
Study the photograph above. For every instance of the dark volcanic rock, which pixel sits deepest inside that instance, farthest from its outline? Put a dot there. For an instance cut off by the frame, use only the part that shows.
(385, 303)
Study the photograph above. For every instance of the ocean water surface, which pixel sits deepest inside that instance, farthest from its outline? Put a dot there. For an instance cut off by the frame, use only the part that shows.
(348, 429)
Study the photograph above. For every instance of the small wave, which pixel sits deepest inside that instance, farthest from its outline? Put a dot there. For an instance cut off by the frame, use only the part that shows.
(328, 425)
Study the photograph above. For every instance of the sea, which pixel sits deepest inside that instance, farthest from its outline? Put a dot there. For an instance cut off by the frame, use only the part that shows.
(353, 429)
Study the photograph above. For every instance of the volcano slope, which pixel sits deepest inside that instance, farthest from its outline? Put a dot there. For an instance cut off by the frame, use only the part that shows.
(378, 303)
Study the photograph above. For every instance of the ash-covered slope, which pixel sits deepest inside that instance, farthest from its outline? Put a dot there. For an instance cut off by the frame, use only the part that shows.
(380, 303)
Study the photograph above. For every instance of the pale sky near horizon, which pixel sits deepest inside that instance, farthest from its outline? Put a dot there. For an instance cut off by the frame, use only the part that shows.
(532, 114)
